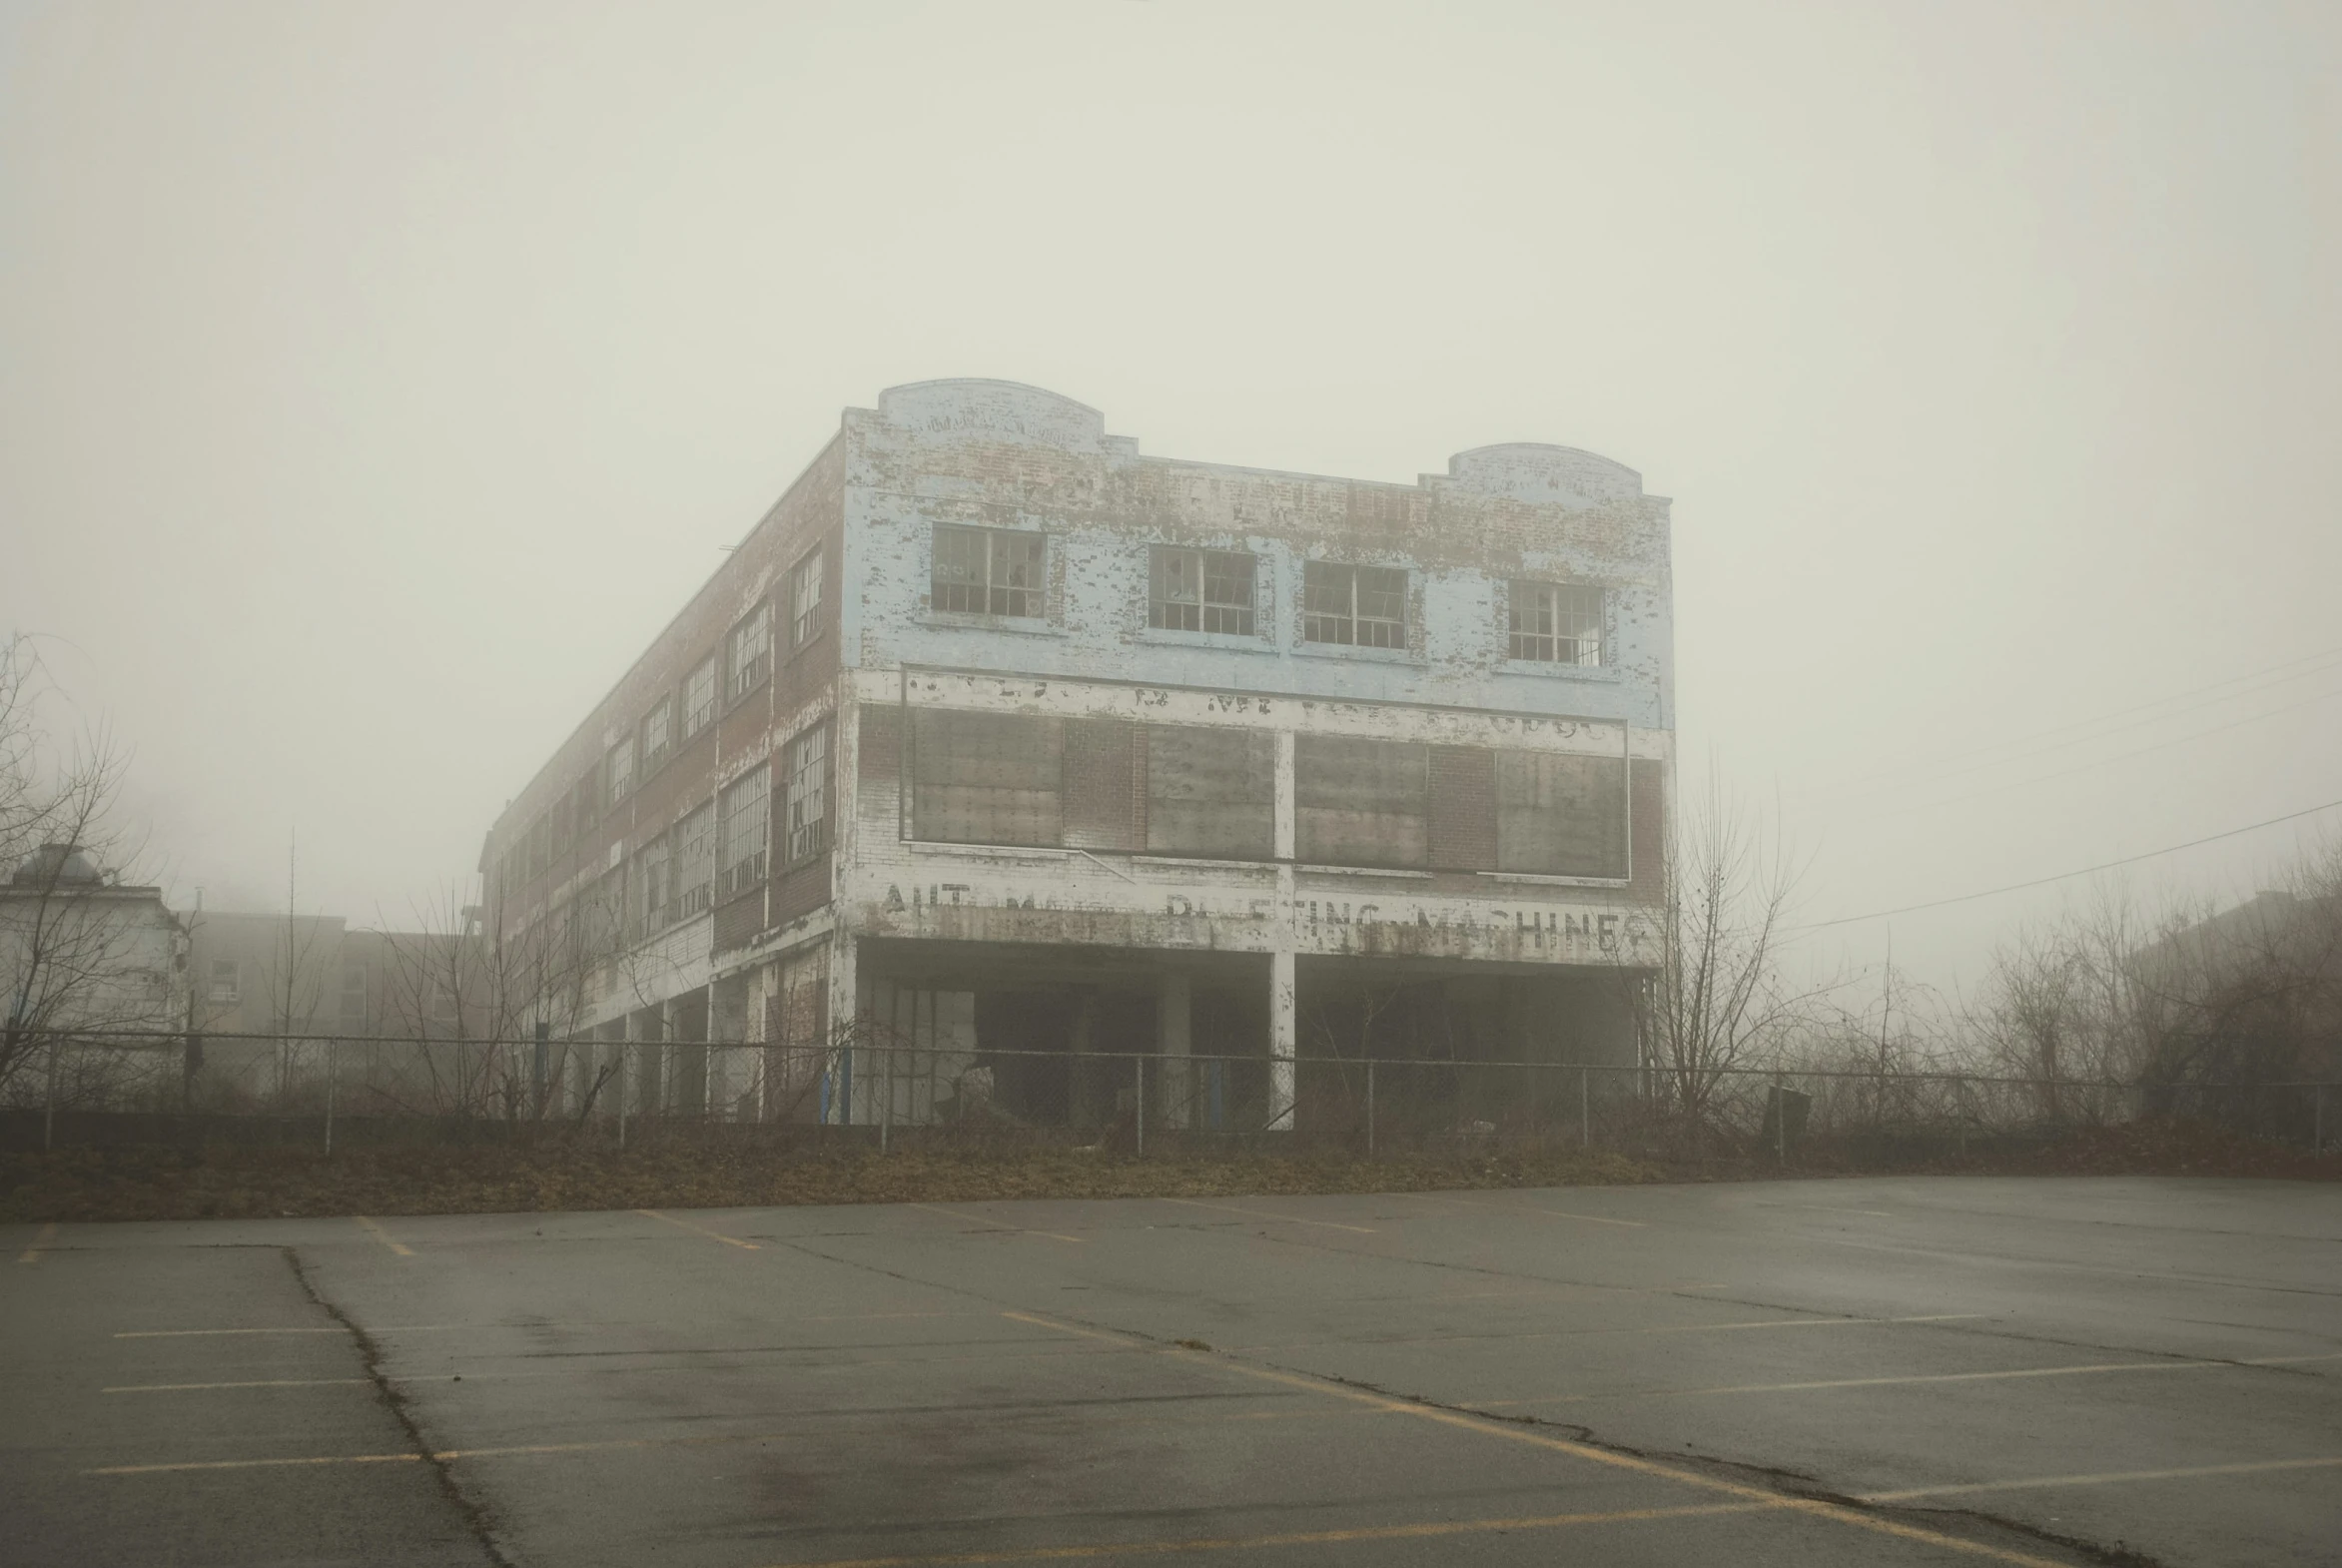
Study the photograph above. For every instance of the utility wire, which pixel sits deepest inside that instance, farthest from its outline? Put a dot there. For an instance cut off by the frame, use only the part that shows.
(2068, 876)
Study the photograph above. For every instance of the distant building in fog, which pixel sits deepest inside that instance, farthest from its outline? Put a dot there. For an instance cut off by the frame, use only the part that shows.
(996, 732)
(82, 954)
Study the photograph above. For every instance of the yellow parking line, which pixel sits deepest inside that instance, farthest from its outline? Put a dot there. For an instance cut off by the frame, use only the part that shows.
(2112, 1477)
(1511, 1432)
(374, 1229)
(1489, 1208)
(271, 1382)
(32, 1253)
(712, 1236)
(1261, 1213)
(1381, 1532)
(995, 1224)
(1923, 1377)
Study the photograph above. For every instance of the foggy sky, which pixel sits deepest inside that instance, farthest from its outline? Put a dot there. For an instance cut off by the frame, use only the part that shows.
(376, 380)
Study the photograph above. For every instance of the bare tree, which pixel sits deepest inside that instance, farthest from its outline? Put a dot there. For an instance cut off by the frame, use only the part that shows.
(79, 953)
(1716, 1000)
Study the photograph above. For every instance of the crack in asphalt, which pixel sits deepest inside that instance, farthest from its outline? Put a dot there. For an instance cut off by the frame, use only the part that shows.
(473, 1515)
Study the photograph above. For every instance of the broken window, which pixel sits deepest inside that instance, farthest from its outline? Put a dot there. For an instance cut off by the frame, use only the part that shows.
(1561, 814)
(808, 794)
(986, 571)
(752, 646)
(1200, 591)
(805, 599)
(1210, 792)
(1556, 623)
(353, 1001)
(658, 733)
(227, 981)
(618, 773)
(655, 906)
(1361, 802)
(987, 778)
(694, 860)
(745, 826)
(699, 697)
(1363, 607)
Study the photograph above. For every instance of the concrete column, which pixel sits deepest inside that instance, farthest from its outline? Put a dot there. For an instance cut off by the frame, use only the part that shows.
(844, 1012)
(1173, 1012)
(1283, 1041)
(1283, 1027)
(1285, 835)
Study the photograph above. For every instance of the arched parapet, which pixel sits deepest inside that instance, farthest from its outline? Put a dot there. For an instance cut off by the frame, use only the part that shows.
(968, 408)
(1540, 471)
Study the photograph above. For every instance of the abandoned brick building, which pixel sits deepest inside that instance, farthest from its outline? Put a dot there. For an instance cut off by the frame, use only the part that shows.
(998, 735)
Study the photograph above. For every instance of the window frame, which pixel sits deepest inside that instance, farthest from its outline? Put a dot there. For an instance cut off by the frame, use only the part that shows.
(618, 782)
(805, 598)
(654, 887)
(808, 838)
(737, 875)
(747, 676)
(696, 720)
(693, 898)
(994, 594)
(1317, 616)
(1163, 608)
(654, 758)
(235, 978)
(1557, 605)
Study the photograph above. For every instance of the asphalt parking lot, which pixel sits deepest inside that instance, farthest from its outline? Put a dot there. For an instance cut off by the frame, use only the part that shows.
(1925, 1370)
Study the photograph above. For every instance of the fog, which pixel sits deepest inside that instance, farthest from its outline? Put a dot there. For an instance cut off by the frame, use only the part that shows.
(376, 381)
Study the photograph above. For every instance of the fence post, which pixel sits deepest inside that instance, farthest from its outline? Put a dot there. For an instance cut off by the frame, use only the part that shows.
(332, 1057)
(2317, 1121)
(623, 1066)
(537, 1069)
(1139, 1102)
(1585, 1114)
(49, 1101)
(1780, 1117)
(886, 1103)
(1369, 1108)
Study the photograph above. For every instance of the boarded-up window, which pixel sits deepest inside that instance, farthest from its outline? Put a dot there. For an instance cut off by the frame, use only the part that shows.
(1101, 787)
(985, 778)
(1210, 792)
(1361, 802)
(1563, 816)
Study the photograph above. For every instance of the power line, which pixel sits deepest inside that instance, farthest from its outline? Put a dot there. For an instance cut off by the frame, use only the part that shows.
(2068, 876)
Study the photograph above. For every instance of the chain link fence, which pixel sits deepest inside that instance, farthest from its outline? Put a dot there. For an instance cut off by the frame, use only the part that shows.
(874, 1083)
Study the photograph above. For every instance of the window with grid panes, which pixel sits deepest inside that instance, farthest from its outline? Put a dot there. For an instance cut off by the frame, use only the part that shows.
(744, 827)
(658, 733)
(1556, 623)
(652, 903)
(694, 861)
(1200, 591)
(986, 571)
(618, 772)
(1362, 606)
(699, 697)
(809, 829)
(752, 647)
(805, 599)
